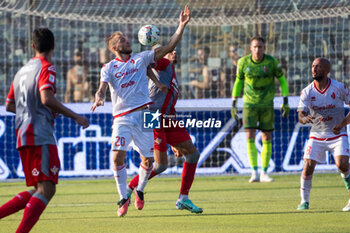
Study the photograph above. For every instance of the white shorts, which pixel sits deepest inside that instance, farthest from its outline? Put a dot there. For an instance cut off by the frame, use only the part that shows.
(128, 130)
(316, 149)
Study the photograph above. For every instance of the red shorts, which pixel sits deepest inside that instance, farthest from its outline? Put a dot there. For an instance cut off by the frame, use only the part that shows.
(171, 136)
(40, 163)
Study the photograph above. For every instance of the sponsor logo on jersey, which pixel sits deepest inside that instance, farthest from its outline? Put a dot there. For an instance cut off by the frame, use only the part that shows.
(324, 119)
(121, 75)
(124, 85)
(35, 172)
(52, 69)
(132, 61)
(329, 106)
(54, 170)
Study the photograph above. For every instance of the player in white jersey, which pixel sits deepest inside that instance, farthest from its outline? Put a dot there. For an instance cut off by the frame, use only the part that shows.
(322, 105)
(128, 83)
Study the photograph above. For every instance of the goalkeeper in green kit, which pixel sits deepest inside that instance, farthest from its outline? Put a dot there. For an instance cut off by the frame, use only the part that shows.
(257, 71)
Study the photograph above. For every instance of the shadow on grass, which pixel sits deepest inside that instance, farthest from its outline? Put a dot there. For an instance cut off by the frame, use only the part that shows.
(181, 215)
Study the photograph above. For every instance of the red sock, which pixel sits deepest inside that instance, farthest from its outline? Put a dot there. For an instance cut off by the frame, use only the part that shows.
(188, 171)
(135, 181)
(15, 204)
(31, 214)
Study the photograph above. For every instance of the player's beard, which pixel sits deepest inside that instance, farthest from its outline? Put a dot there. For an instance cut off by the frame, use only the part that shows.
(126, 51)
(317, 78)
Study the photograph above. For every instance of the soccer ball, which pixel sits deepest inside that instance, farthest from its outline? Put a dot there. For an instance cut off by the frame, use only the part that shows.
(149, 35)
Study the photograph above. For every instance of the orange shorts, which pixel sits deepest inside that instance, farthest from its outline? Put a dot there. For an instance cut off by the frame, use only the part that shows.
(40, 163)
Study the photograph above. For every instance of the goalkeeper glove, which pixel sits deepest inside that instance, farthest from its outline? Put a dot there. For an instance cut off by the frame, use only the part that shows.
(234, 109)
(285, 107)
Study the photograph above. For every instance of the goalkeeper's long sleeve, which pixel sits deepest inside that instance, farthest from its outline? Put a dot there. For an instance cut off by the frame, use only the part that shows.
(237, 87)
(284, 85)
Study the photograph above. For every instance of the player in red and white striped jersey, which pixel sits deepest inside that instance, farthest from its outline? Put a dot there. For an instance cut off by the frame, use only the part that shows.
(128, 83)
(322, 105)
(32, 98)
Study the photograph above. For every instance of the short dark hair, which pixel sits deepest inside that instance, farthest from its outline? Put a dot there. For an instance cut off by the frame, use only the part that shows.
(206, 50)
(258, 38)
(43, 40)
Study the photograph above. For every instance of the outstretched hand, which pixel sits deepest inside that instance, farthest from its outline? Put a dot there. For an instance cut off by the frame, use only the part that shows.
(185, 16)
(83, 121)
(98, 102)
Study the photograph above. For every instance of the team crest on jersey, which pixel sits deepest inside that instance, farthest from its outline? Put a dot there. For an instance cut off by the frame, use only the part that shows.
(333, 95)
(35, 172)
(115, 66)
(52, 69)
(313, 98)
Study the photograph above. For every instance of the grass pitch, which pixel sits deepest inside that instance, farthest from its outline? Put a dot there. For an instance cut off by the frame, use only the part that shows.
(230, 204)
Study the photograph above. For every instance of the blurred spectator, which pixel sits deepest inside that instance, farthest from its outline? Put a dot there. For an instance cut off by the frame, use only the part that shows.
(228, 72)
(200, 74)
(77, 86)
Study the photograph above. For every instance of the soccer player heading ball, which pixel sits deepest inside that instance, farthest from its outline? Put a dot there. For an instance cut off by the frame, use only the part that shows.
(322, 105)
(127, 80)
(258, 72)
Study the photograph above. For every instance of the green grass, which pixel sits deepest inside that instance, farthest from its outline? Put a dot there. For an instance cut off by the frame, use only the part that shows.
(230, 204)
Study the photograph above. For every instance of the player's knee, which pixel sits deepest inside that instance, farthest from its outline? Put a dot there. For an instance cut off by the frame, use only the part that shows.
(193, 157)
(159, 168)
(147, 162)
(343, 168)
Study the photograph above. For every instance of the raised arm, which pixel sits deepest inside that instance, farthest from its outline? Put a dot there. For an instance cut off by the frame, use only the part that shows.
(100, 96)
(184, 18)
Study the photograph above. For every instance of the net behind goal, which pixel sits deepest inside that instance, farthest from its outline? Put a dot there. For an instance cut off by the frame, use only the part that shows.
(295, 31)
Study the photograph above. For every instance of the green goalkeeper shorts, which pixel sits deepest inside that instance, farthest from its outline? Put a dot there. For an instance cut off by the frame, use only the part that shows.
(259, 117)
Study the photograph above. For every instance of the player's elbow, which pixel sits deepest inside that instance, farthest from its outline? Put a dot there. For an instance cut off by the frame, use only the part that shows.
(10, 107)
(45, 100)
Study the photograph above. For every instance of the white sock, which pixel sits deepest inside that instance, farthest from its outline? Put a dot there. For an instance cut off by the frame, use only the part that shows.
(120, 177)
(144, 174)
(183, 197)
(345, 175)
(305, 188)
